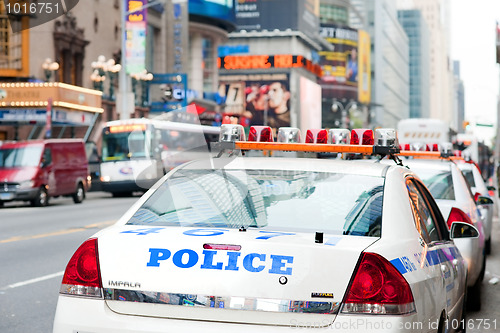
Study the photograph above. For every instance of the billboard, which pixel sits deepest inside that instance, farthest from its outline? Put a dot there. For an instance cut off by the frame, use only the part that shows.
(135, 38)
(264, 99)
(220, 10)
(340, 66)
(302, 15)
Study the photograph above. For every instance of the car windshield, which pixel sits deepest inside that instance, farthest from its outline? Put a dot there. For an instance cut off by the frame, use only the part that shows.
(439, 182)
(20, 157)
(273, 199)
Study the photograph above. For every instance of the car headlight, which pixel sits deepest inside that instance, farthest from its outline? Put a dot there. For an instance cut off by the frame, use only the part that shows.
(105, 178)
(26, 184)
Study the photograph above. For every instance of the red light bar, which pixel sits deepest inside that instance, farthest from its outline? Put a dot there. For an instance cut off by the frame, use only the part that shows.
(305, 147)
(225, 247)
(366, 136)
(425, 155)
(317, 136)
(261, 134)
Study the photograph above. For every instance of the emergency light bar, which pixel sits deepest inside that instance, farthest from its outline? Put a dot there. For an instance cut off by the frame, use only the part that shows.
(361, 141)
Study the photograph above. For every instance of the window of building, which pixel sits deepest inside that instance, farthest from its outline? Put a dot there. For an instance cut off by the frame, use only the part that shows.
(14, 55)
(331, 14)
(208, 64)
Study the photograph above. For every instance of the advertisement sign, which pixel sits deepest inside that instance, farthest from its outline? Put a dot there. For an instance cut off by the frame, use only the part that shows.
(167, 92)
(302, 15)
(340, 66)
(264, 99)
(265, 61)
(222, 10)
(364, 65)
(135, 40)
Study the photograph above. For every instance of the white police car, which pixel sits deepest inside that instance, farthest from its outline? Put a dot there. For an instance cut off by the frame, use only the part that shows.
(245, 244)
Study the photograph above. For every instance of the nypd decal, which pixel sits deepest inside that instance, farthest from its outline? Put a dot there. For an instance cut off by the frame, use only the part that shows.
(221, 260)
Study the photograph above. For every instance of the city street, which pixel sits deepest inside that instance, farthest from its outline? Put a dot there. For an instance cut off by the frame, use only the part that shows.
(35, 246)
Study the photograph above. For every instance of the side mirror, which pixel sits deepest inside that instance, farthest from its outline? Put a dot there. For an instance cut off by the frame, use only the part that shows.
(481, 200)
(491, 188)
(463, 230)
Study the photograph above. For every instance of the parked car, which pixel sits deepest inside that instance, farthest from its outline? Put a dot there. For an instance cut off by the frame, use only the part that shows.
(271, 244)
(488, 204)
(449, 188)
(36, 170)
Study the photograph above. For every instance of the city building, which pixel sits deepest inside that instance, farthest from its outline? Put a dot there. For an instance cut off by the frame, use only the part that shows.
(437, 16)
(416, 29)
(389, 60)
(171, 48)
(269, 66)
(458, 100)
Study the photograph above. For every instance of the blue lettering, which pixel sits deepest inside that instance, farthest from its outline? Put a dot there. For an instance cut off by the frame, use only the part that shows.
(248, 262)
(279, 263)
(209, 259)
(157, 255)
(192, 258)
(232, 264)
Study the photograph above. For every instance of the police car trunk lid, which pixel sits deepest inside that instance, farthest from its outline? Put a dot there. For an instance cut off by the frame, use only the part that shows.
(263, 278)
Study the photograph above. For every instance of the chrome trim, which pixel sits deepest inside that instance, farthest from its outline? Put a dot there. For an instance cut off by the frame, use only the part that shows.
(222, 302)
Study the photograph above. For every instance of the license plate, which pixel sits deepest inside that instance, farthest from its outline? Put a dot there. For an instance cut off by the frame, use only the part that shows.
(6, 196)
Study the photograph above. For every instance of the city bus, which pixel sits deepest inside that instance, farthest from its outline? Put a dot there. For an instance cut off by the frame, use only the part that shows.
(138, 152)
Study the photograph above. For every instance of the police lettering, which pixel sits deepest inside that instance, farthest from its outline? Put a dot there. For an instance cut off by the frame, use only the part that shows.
(233, 261)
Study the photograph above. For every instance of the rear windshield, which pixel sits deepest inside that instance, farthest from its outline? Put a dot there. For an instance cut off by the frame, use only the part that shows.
(272, 199)
(20, 157)
(439, 183)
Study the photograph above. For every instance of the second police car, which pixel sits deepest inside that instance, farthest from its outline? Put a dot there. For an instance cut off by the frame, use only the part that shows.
(240, 244)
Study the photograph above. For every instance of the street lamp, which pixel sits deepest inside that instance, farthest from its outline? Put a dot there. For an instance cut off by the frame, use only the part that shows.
(112, 69)
(49, 66)
(143, 78)
(345, 110)
(98, 76)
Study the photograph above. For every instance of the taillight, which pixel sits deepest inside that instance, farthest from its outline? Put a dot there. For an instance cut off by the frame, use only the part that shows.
(476, 196)
(378, 288)
(458, 215)
(82, 276)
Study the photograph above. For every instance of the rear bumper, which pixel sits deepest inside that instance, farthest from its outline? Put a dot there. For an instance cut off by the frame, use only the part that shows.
(75, 314)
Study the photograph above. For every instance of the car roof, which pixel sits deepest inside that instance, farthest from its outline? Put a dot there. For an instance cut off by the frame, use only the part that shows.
(436, 164)
(299, 164)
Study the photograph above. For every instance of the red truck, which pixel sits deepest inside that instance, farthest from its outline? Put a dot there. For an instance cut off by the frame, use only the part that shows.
(36, 170)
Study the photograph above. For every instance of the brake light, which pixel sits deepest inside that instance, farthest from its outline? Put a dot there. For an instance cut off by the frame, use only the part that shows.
(317, 136)
(82, 276)
(458, 215)
(378, 288)
(362, 137)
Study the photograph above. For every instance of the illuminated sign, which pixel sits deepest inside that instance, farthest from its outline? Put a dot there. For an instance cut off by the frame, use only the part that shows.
(127, 128)
(268, 61)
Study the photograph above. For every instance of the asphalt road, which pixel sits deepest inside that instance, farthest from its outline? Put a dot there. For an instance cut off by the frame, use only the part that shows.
(35, 246)
(488, 319)
(37, 243)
